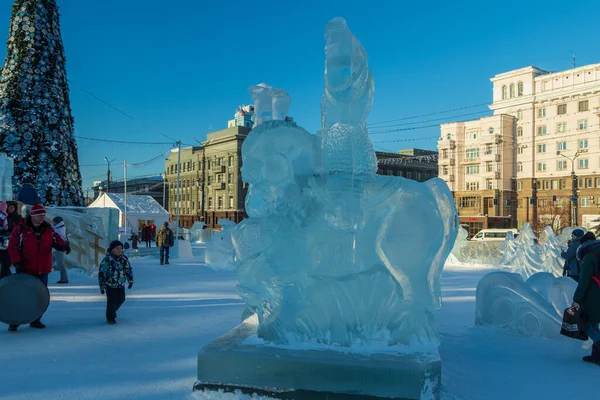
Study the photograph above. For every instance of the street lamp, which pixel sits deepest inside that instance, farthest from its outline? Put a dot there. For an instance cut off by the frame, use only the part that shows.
(108, 174)
(574, 199)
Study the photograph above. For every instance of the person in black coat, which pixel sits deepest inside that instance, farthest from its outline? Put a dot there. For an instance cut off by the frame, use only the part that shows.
(13, 219)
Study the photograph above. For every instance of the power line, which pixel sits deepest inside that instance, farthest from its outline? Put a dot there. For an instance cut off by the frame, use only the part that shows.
(118, 110)
(429, 114)
(122, 141)
(429, 120)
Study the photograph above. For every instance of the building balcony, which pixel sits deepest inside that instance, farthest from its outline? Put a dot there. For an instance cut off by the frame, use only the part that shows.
(219, 186)
(449, 144)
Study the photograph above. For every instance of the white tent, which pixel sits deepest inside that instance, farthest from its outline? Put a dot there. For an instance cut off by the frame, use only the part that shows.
(140, 209)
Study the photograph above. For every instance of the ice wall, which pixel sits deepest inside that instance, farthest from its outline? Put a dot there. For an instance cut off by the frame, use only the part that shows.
(7, 169)
(219, 254)
(331, 252)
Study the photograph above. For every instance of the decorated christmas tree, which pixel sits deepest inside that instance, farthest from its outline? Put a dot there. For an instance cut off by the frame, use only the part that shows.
(36, 126)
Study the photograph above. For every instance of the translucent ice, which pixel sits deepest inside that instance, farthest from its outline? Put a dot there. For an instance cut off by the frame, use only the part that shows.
(533, 307)
(332, 253)
(219, 253)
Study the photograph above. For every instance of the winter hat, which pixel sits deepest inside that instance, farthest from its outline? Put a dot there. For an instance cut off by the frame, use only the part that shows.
(2, 206)
(113, 244)
(589, 235)
(577, 234)
(37, 209)
(57, 220)
(166, 223)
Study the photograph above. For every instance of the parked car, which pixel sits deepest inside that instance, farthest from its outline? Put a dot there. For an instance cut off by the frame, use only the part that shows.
(493, 235)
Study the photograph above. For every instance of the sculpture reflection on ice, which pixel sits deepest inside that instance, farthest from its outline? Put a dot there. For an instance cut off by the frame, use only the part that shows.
(331, 252)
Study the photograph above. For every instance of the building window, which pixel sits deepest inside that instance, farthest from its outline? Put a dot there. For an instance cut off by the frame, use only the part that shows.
(472, 186)
(220, 199)
(519, 185)
(520, 150)
(519, 167)
(563, 184)
(589, 183)
(504, 93)
(491, 131)
(472, 169)
(489, 167)
(583, 163)
(210, 202)
(561, 146)
(541, 148)
(561, 109)
(585, 202)
(582, 124)
(555, 184)
(229, 178)
(208, 164)
(583, 144)
(472, 153)
(561, 165)
(444, 170)
(468, 202)
(472, 135)
(541, 166)
(583, 106)
(219, 178)
(208, 180)
(546, 185)
(541, 130)
(230, 161)
(519, 114)
(448, 136)
(444, 154)
(542, 112)
(512, 90)
(561, 127)
(231, 202)
(597, 182)
(520, 131)
(489, 184)
(519, 88)
(579, 183)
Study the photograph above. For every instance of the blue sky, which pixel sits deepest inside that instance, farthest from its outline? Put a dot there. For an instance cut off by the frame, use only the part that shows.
(180, 66)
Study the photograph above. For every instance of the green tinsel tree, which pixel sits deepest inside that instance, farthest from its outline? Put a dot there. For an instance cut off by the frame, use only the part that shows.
(36, 126)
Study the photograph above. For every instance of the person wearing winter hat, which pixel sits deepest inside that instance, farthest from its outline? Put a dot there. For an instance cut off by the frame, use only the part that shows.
(13, 219)
(572, 265)
(30, 250)
(587, 295)
(114, 271)
(4, 259)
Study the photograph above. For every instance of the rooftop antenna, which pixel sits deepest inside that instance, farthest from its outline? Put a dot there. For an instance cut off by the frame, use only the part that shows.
(573, 55)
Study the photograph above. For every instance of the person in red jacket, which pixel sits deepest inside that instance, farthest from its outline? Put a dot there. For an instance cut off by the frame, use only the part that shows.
(30, 250)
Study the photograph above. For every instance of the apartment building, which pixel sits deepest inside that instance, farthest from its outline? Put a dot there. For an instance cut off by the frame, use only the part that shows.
(416, 164)
(211, 183)
(550, 148)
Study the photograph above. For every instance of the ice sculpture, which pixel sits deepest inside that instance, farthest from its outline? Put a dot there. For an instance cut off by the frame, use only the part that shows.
(219, 249)
(332, 253)
(473, 251)
(533, 307)
(551, 249)
(7, 168)
(527, 260)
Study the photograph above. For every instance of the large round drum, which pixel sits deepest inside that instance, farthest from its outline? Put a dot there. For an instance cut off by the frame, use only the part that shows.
(23, 299)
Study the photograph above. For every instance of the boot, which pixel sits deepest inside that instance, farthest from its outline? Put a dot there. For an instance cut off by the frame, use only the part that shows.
(162, 261)
(595, 357)
(166, 260)
(37, 324)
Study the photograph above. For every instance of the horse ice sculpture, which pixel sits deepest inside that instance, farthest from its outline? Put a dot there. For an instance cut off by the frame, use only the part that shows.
(331, 252)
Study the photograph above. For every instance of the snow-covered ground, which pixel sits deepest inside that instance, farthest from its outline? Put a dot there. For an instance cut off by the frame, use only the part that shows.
(172, 311)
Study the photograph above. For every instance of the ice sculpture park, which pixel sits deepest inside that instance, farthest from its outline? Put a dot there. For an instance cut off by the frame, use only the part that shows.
(340, 266)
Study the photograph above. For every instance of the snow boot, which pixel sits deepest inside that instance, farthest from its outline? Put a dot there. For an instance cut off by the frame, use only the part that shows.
(595, 357)
(111, 322)
(162, 261)
(166, 260)
(37, 325)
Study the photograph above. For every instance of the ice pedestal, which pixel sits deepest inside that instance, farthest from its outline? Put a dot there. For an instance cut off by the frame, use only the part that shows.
(231, 363)
(181, 249)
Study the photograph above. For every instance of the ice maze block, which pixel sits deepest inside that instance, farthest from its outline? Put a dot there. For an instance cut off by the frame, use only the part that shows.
(229, 363)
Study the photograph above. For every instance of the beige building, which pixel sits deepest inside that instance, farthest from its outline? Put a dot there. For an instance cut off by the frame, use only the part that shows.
(211, 183)
(549, 128)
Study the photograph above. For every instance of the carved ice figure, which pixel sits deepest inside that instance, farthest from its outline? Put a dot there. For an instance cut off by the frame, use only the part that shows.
(332, 253)
(219, 254)
(551, 249)
(269, 103)
(532, 308)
